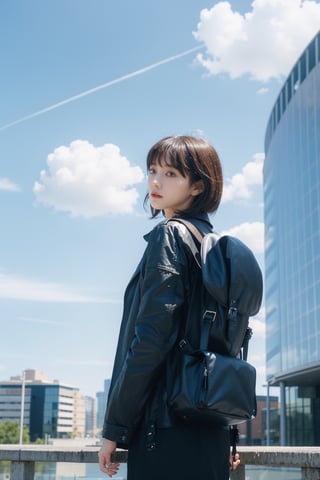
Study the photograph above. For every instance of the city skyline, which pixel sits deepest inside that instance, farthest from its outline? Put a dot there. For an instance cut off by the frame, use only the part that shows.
(72, 173)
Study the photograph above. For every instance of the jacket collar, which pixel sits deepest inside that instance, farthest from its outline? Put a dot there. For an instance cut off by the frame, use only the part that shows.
(201, 221)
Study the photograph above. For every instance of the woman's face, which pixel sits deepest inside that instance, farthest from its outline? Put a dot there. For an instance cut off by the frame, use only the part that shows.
(169, 190)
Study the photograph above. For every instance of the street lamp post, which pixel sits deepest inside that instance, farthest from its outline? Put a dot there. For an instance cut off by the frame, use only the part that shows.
(23, 383)
(268, 413)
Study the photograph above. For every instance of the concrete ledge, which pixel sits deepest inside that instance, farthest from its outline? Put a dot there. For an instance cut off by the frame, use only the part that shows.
(294, 457)
(23, 458)
(50, 453)
(277, 456)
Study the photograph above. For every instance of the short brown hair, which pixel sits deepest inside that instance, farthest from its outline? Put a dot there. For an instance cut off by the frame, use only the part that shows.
(194, 158)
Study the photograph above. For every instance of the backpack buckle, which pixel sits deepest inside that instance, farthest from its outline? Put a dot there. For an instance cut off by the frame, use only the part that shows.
(232, 313)
(182, 343)
(209, 315)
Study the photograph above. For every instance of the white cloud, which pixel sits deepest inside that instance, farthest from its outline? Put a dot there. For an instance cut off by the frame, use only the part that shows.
(89, 181)
(14, 287)
(263, 43)
(252, 234)
(257, 354)
(38, 321)
(262, 91)
(257, 323)
(8, 186)
(261, 375)
(240, 185)
(84, 363)
(198, 132)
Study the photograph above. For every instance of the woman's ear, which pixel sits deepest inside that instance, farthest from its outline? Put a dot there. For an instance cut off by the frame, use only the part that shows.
(197, 188)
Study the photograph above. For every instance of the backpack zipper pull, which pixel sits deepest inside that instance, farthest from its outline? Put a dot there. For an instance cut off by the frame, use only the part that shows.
(232, 313)
(205, 378)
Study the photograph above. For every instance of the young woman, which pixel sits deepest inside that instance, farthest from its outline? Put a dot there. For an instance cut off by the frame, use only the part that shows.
(184, 180)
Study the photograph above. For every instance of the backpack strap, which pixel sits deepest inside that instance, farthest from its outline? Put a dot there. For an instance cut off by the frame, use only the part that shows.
(208, 318)
(195, 233)
(194, 230)
(245, 344)
(209, 314)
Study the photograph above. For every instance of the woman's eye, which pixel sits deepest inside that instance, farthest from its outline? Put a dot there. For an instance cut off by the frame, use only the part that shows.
(151, 170)
(170, 174)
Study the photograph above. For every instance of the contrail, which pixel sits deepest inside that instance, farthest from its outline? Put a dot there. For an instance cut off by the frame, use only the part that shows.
(100, 87)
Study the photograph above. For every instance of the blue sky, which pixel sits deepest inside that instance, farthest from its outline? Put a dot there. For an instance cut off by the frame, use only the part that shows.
(86, 89)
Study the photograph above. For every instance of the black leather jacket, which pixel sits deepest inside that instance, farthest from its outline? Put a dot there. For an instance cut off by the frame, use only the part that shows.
(164, 291)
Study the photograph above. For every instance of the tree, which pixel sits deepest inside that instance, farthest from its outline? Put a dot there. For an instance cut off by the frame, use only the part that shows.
(10, 433)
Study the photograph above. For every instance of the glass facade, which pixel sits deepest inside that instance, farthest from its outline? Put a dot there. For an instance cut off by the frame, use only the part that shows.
(102, 402)
(52, 412)
(292, 246)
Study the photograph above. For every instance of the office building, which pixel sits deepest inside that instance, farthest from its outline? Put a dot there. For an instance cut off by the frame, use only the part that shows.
(292, 244)
(264, 428)
(102, 398)
(51, 409)
(91, 417)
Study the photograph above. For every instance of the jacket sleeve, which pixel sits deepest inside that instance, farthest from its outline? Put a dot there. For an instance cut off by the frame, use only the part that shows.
(162, 294)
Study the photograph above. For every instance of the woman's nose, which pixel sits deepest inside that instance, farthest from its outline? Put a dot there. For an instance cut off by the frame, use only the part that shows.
(156, 181)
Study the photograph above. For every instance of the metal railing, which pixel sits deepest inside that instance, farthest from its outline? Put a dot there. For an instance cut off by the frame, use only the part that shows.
(23, 458)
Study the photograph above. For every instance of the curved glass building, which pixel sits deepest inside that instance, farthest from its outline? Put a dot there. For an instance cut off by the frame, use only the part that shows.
(292, 241)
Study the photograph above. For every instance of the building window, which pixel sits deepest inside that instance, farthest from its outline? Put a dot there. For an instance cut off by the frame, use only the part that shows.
(278, 110)
(296, 77)
(311, 56)
(283, 100)
(289, 89)
(273, 121)
(303, 67)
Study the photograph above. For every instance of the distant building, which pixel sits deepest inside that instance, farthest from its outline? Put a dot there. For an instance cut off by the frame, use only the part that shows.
(292, 249)
(79, 415)
(91, 417)
(102, 398)
(51, 409)
(255, 431)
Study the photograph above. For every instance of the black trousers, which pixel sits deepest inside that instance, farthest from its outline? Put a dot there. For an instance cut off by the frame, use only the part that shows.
(181, 453)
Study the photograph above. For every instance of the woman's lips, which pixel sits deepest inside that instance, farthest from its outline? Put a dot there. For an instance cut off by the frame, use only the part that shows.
(155, 195)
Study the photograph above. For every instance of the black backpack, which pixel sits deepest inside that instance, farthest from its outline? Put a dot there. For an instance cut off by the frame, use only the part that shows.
(233, 283)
